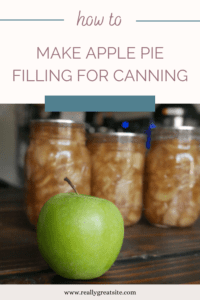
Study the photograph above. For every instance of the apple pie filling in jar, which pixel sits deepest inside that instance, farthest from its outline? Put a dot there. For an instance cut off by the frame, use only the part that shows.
(57, 150)
(172, 177)
(117, 171)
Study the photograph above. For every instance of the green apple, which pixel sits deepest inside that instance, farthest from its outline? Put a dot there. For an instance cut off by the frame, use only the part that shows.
(79, 236)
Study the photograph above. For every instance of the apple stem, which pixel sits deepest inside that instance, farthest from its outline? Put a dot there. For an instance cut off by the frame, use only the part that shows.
(71, 184)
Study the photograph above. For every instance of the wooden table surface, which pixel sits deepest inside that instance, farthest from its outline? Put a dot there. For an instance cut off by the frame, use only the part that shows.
(149, 255)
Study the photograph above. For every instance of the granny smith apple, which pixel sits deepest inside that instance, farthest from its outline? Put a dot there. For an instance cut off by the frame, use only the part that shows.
(79, 236)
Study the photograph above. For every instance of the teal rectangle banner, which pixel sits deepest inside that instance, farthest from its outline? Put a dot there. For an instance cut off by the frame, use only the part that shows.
(100, 103)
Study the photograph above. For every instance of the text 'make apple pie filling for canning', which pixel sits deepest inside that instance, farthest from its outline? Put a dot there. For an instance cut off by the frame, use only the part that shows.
(172, 177)
(57, 150)
(117, 171)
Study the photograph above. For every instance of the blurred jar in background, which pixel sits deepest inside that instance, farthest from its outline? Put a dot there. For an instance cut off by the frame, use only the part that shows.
(172, 177)
(117, 171)
(24, 114)
(176, 115)
(57, 150)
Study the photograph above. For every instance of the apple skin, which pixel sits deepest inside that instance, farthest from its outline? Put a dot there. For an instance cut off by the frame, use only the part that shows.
(79, 236)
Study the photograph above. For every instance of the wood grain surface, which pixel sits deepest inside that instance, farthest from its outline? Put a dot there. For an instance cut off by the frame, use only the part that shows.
(148, 255)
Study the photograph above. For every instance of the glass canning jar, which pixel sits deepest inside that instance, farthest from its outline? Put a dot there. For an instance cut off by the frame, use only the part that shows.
(57, 150)
(117, 171)
(172, 177)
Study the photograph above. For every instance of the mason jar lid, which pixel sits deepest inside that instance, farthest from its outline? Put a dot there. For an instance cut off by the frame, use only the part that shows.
(182, 132)
(57, 129)
(116, 137)
(58, 123)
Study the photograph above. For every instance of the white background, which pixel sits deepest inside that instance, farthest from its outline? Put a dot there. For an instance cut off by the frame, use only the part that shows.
(151, 292)
(19, 42)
